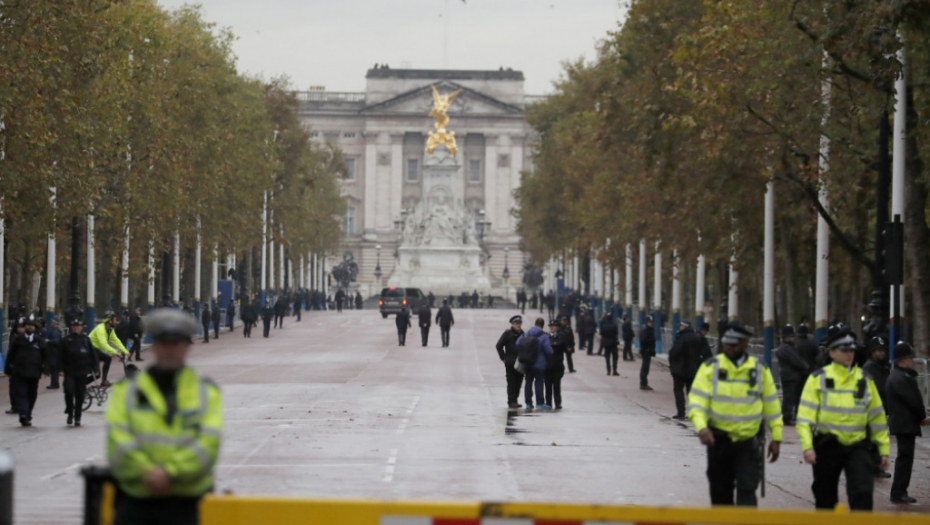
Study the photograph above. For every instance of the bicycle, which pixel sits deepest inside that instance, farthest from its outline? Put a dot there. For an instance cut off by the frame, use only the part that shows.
(95, 392)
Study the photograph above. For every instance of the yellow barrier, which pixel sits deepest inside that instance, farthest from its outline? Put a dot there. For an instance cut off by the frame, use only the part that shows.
(238, 510)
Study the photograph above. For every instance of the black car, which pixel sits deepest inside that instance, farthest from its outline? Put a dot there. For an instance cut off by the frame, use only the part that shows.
(393, 299)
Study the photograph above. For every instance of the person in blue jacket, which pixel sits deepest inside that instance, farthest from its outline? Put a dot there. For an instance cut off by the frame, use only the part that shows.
(535, 371)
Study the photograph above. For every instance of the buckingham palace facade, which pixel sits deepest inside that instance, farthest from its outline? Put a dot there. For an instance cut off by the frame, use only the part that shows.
(383, 133)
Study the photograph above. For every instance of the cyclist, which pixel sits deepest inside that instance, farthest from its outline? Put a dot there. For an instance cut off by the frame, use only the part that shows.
(104, 339)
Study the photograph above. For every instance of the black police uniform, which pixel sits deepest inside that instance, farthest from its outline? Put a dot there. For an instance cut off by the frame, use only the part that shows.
(445, 320)
(267, 315)
(507, 351)
(425, 322)
(78, 361)
(26, 361)
(403, 323)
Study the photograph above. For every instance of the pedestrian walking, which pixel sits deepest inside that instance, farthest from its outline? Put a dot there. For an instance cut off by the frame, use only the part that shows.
(26, 361)
(103, 338)
(840, 412)
(122, 328)
(793, 370)
(231, 315)
(555, 367)
(298, 306)
(647, 350)
(249, 318)
(732, 394)
(205, 318)
(217, 319)
(359, 302)
(18, 328)
(402, 321)
(280, 308)
(52, 341)
(135, 334)
(807, 349)
(610, 341)
(340, 300)
(628, 336)
(267, 315)
(445, 320)
(568, 341)
(508, 353)
(80, 364)
(684, 360)
(534, 350)
(878, 368)
(587, 327)
(164, 430)
(425, 321)
(906, 414)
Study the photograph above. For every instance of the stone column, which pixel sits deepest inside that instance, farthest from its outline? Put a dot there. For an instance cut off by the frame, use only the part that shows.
(370, 181)
(491, 189)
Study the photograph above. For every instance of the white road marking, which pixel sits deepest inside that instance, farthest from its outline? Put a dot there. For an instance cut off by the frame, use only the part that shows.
(389, 469)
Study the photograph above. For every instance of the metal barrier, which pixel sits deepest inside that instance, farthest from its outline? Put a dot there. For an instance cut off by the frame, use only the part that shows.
(237, 510)
(923, 378)
(6, 488)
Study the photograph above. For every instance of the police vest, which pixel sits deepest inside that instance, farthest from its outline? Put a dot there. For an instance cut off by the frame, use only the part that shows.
(735, 399)
(842, 402)
(141, 435)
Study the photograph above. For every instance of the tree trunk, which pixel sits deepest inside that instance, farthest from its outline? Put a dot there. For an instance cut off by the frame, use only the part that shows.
(917, 245)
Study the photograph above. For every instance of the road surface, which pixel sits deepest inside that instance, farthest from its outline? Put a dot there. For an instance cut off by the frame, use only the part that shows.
(331, 406)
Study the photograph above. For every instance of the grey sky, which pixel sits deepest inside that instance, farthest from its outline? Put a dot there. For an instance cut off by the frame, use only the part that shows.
(332, 43)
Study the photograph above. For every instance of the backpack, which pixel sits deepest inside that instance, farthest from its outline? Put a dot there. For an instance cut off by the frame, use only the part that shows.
(528, 350)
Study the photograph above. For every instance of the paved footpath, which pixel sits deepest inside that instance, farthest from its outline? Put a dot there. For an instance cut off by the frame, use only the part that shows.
(331, 406)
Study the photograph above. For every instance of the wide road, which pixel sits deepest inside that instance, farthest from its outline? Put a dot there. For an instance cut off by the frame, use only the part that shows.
(331, 406)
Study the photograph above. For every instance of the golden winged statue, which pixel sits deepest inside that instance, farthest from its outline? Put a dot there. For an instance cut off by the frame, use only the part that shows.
(440, 112)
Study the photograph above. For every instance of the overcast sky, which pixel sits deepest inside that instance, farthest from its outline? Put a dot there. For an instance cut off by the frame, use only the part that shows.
(332, 43)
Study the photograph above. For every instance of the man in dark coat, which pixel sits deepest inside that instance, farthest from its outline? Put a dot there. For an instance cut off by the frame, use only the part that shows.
(647, 350)
(793, 371)
(610, 340)
(340, 300)
(26, 360)
(425, 321)
(403, 323)
(280, 308)
(445, 320)
(135, 333)
(231, 315)
(807, 348)
(628, 335)
(684, 359)
(78, 361)
(249, 318)
(567, 337)
(555, 366)
(267, 315)
(432, 300)
(587, 326)
(508, 353)
(122, 329)
(52, 340)
(878, 368)
(205, 318)
(298, 305)
(217, 318)
(18, 328)
(359, 302)
(906, 414)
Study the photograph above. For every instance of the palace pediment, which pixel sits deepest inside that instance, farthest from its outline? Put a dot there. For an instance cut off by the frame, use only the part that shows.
(418, 102)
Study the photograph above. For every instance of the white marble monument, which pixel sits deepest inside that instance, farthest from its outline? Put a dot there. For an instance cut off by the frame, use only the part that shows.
(439, 251)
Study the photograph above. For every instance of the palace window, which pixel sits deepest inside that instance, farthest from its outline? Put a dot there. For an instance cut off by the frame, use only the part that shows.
(413, 170)
(474, 171)
(350, 169)
(348, 224)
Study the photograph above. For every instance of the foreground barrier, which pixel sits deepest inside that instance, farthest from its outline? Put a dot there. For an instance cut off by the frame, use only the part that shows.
(238, 510)
(253, 510)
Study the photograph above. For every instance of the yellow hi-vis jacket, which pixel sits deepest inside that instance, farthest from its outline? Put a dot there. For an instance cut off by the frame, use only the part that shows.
(735, 399)
(141, 438)
(843, 402)
(105, 340)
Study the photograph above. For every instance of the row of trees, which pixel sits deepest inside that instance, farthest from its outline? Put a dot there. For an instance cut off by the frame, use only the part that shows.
(137, 116)
(693, 106)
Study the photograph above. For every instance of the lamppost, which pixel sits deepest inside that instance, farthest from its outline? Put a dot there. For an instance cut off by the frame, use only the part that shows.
(378, 273)
(506, 274)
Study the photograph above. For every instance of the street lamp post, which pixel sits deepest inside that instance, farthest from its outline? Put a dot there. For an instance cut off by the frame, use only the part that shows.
(506, 274)
(378, 273)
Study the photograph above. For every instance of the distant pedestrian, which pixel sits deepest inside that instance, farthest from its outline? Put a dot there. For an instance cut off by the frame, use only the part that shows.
(508, 353)
(402, 321)
(217, 319)
(432, 300)
(555, 368)
(807, 348)
(568, 341)
(587, 327)
(298, 305)
(684, 360)
(906, 414)
(267, 315)
(280, 308)
(18, 328)
(359, 302)
(231, 315)
(534, 349)
(26, 360)
(445, 320)
(340, 300)
(425, 321)
(249, 318)
(628, 336)
(122, 328)
(135, 333)
(793, 370)
(205, 318)
(610, 341)
(647, 350)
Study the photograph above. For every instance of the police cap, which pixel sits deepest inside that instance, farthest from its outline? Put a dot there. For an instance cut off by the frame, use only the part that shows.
(903, 350)
(516, 319)
(788, 331)
(878, 342)
(168, 324)
(840, 336)
(733, 334)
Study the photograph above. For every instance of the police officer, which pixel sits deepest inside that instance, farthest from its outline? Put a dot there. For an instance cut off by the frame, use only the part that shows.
(567, 337)
(217, 319)
(445, 320)
(878, 368)
(403, 323)
(17, 329)
(164, 433)
(425, 318)
(205, 317)
(732, 394)
(267, 316)
(840, 411)
(52, 340)
(104, 339)
(507, 351)
(135, 333)
(26, 360)
(78, 361)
